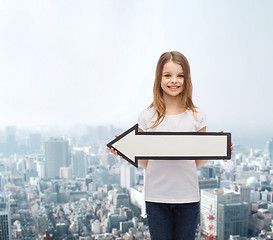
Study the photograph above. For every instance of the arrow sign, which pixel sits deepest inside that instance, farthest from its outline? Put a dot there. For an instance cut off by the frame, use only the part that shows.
(133, 145)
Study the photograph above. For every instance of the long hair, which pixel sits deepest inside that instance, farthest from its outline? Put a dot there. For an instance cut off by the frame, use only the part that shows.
(186, 94)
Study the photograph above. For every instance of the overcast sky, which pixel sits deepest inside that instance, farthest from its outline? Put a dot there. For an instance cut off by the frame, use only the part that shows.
(93, 62)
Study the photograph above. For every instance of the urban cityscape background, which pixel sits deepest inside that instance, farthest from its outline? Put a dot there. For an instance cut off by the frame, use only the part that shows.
(76, 73)
(69, 186)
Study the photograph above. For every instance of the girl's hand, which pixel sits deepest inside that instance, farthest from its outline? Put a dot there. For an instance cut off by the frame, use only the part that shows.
(230, 148)
(112, 150)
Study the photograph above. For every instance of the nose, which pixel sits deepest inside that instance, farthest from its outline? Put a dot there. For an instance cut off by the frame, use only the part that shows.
(173, 80)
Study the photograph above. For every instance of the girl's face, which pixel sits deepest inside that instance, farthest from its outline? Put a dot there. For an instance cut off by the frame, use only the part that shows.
(172, 79)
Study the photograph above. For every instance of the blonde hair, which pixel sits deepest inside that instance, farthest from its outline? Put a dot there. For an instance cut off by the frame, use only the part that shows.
(185, 96)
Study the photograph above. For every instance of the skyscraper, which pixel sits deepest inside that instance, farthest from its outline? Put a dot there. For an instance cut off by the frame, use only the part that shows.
(211, 171)
(102, 133)
(35, 140)
(232, 220)
(56, 156)
(41, 169)
(127, 176)
(10, 140)
(79, 164)
(227, 210)
(268, 150)
(244, 191)
(5, 222)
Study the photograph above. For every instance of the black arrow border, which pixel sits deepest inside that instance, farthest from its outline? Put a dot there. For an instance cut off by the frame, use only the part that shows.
(135, 127)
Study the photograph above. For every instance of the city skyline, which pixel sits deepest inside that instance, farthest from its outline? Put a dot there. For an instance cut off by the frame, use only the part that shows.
(72, 187)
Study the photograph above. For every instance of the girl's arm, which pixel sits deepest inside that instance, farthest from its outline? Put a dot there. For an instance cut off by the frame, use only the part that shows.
(200, 163)
(143, 162)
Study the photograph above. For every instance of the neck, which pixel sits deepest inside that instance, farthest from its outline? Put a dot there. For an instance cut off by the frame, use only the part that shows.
(173, 104)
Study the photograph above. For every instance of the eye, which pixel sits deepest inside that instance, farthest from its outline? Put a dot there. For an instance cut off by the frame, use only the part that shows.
(181, 75)
(167, 75)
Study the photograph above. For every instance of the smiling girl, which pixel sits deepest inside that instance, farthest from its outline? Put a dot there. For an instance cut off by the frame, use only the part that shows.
(171, 189)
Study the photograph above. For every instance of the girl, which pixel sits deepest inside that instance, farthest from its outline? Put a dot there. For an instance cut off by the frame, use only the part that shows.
(171, 189)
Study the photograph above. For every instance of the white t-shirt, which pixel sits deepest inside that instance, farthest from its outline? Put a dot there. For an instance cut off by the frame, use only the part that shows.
(171, 181)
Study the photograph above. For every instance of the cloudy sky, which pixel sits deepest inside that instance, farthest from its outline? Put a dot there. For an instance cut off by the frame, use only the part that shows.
(93, 62)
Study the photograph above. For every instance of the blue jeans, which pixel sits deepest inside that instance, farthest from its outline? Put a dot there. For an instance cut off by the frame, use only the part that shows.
(172, 221)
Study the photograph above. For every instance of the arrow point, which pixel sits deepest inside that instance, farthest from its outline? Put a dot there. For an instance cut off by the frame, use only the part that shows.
(120, 147)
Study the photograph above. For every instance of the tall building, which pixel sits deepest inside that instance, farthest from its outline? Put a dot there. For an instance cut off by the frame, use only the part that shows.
(268, 150)
(90, 134)
(5, 222)
(102, 132)
(30, 164)
(243, 189)
(11, 140)
(238, 158)
(40, 165)
(2, 183)
(56, 156)
(127, 176)
(211, 171)
(221, 209)
(232, 220)
(35, 141)
(79, 164)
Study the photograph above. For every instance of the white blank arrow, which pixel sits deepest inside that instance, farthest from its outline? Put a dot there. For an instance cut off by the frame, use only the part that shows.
(134, 145)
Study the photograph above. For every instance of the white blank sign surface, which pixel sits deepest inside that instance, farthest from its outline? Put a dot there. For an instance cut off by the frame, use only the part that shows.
(133, 145)
(172, 145)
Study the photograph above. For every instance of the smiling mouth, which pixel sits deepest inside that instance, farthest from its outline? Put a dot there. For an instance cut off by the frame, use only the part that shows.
(173, 87)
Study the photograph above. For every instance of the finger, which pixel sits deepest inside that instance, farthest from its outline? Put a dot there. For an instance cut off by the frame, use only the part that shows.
(112, 150)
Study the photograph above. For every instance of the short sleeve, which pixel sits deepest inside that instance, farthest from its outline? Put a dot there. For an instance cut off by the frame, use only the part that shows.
(141, 120)
(201, 120)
